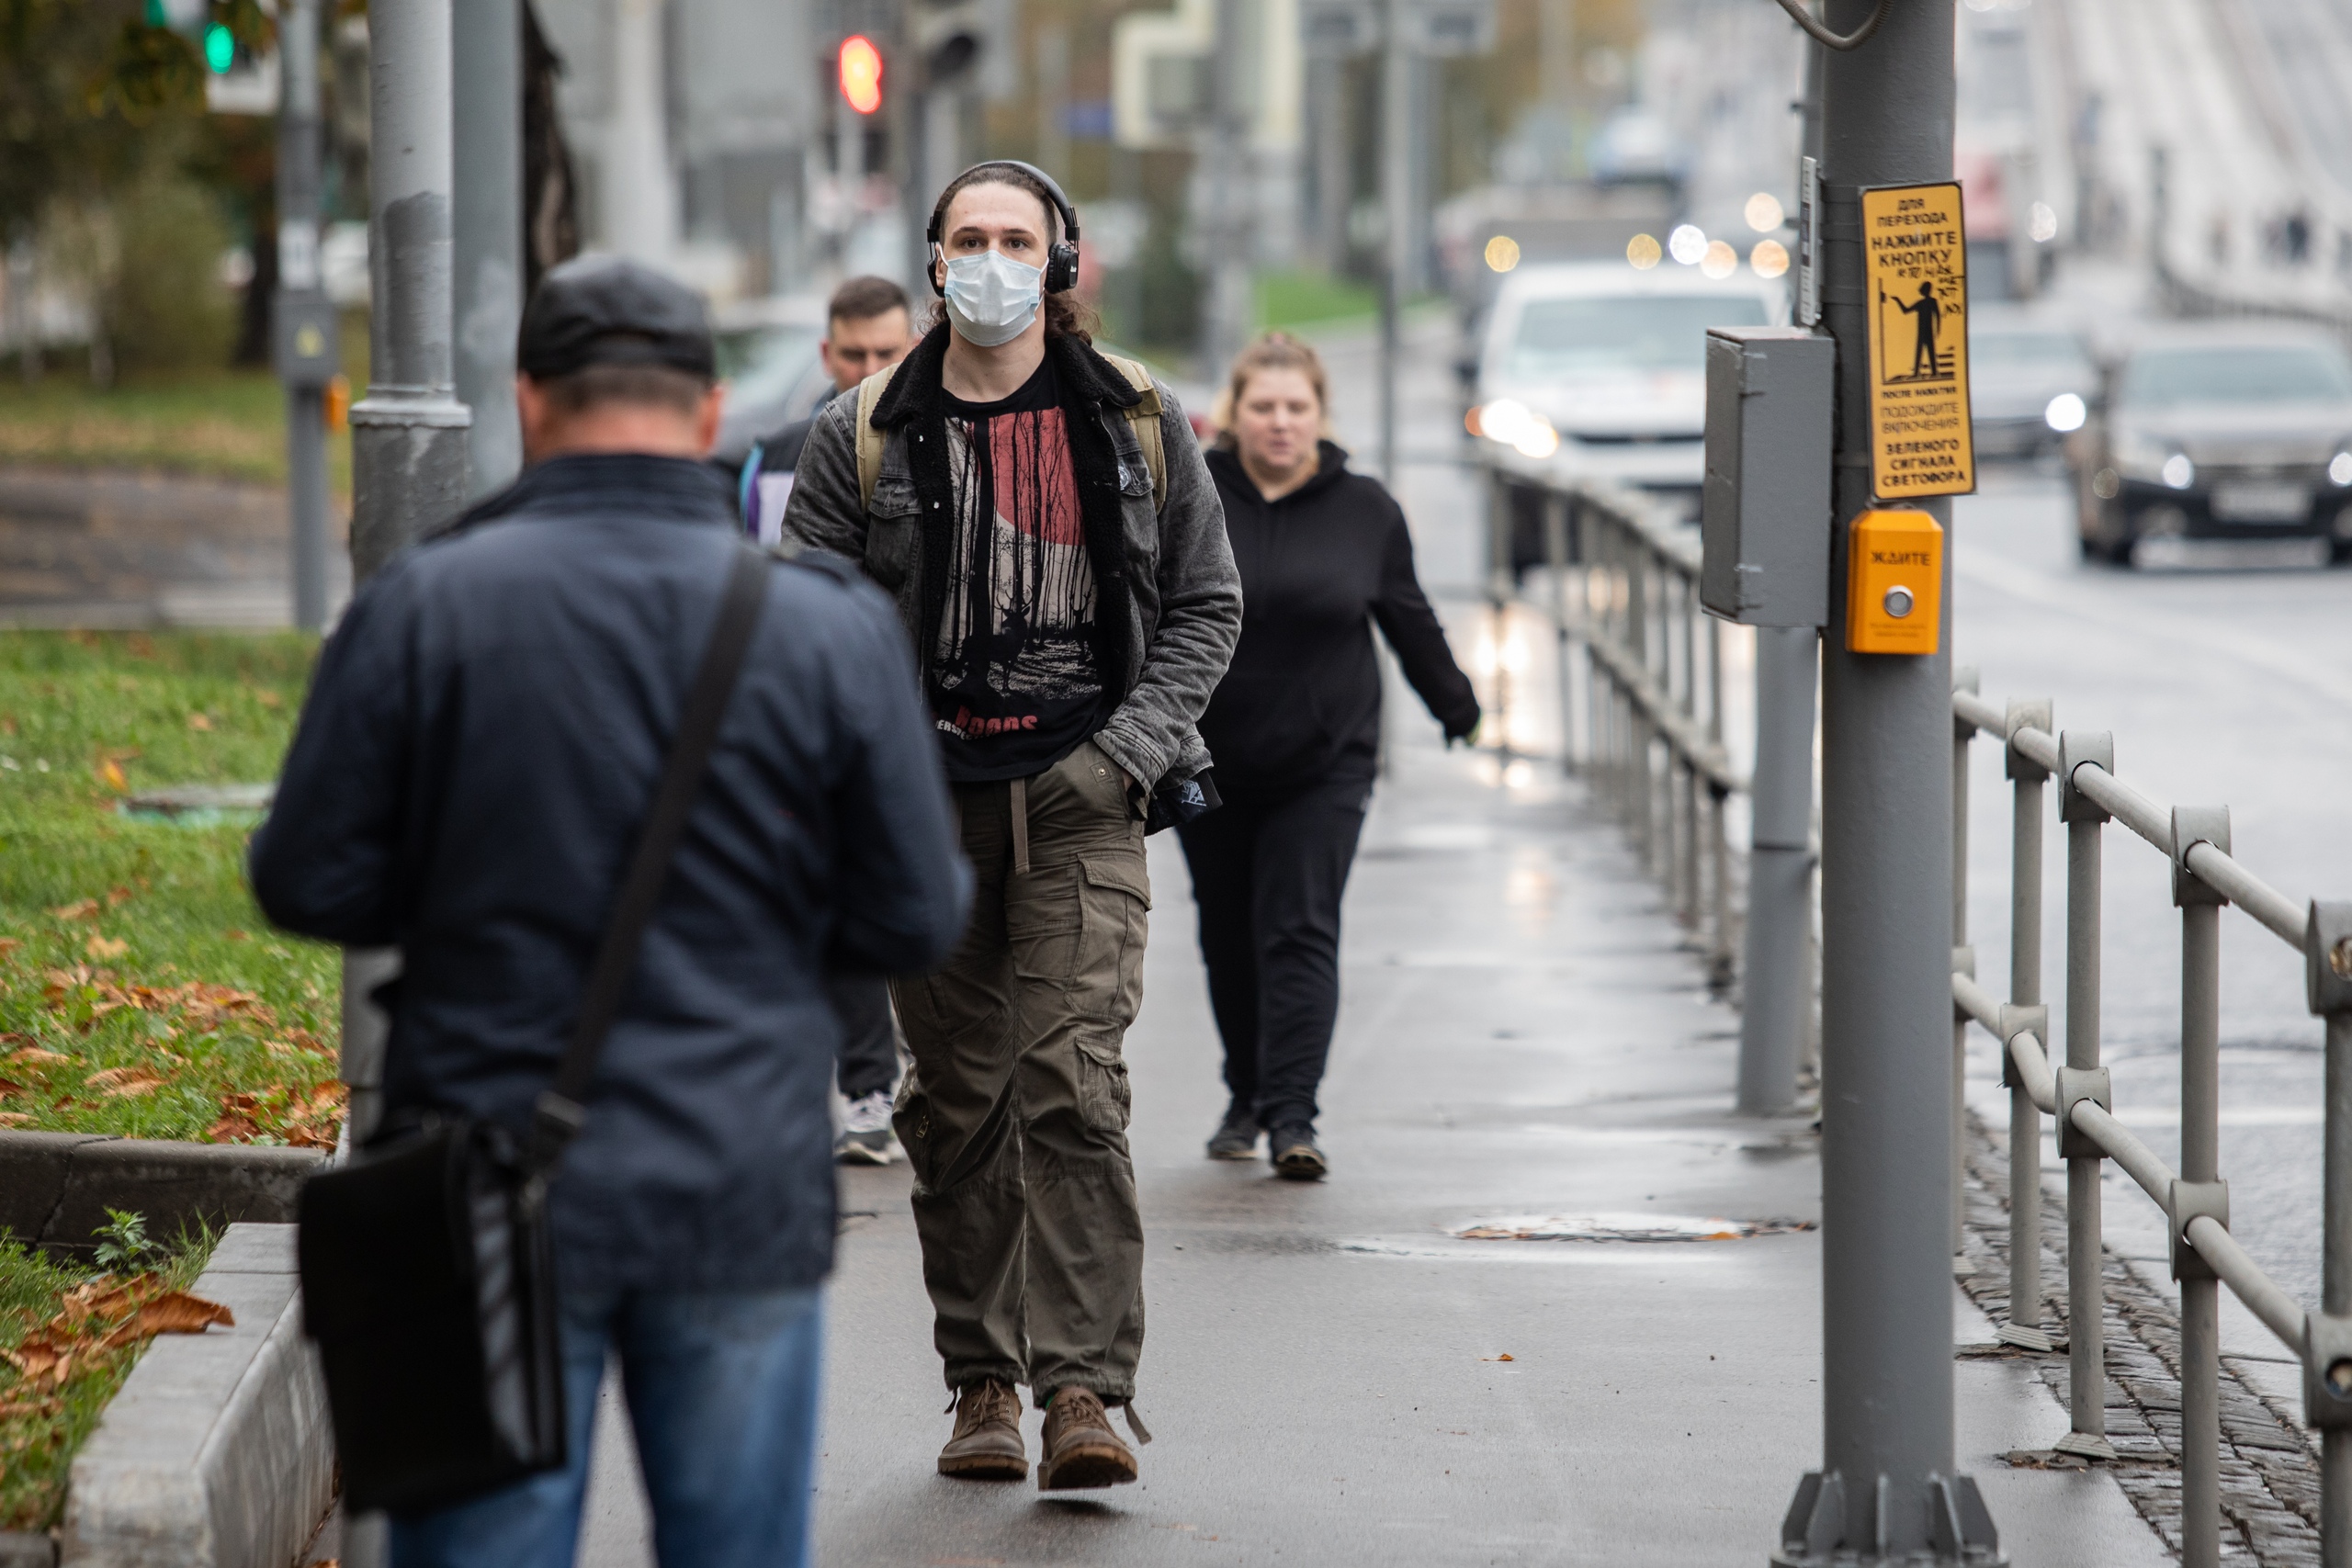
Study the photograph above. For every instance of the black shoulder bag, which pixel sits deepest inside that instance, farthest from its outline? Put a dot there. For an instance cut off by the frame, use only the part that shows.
(428, 1273)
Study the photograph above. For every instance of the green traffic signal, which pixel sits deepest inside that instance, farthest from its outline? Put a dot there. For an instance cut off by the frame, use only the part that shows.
(220, 48)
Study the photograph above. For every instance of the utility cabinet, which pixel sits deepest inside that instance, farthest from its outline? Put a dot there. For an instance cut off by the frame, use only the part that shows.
(1764, 517)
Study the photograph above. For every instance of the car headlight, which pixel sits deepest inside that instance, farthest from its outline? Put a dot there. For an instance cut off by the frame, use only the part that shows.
(1519, 427)
(2142, 457)
(2067, 412)
(2178, 471)
(2339, 469)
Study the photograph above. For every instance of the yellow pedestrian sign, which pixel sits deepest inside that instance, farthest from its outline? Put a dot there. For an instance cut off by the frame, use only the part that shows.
(1915, 266)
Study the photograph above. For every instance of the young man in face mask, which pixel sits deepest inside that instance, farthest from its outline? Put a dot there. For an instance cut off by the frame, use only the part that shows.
(1043, 517)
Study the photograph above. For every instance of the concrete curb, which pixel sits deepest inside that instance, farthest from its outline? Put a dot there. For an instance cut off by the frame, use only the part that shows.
(55, 1188)
(218, 1452)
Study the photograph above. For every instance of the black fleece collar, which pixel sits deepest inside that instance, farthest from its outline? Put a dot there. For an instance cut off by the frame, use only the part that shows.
(916, 392)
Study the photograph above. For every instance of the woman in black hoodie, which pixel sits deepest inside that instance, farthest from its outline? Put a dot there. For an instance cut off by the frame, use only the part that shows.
(1294, 728)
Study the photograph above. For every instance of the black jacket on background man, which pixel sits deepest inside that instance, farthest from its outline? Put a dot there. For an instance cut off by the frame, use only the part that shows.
(477, 754)
(1300, 703)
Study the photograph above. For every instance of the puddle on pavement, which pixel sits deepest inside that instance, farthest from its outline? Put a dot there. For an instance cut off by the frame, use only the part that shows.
(1787, 1146)
(1487, 1252)
(1624, 1227)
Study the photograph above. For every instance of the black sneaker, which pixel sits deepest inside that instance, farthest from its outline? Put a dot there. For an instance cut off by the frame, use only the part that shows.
(1237, 1138)
(1295, 1157)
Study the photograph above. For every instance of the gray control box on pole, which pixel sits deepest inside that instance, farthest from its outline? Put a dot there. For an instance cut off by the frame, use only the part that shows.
(1764, 518)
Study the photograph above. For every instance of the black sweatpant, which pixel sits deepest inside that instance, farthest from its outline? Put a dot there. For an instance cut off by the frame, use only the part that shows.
(868, 1060)
(1267, 873)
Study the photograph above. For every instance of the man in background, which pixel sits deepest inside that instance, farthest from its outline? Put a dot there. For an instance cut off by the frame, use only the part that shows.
(868, 327)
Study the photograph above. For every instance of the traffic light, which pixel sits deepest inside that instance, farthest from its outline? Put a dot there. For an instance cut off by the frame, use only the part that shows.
(950, 36)
(861, 73)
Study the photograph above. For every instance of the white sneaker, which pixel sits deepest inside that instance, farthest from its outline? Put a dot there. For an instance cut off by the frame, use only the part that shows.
(865, 1137)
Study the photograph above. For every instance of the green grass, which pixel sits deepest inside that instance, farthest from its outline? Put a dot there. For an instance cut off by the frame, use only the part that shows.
(44, 1419)
(219, 424)
(226, 424)
(141, 992)
(1307, 299)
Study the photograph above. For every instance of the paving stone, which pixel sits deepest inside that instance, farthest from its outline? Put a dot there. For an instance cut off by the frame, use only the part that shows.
(2269, 1473)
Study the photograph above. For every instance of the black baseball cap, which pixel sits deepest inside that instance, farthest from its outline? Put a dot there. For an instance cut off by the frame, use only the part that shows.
(606, 310)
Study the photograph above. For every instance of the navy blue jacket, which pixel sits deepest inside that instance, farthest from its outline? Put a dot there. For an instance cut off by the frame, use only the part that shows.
(478, 750)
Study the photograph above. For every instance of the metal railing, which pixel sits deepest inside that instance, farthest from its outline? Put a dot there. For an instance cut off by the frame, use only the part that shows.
(1641, 664)
(2076, 1093)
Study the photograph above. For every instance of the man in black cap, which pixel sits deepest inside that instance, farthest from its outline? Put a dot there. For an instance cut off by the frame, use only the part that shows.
(477, 753)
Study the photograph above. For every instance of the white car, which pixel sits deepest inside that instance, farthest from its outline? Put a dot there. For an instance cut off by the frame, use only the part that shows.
(1598, 370)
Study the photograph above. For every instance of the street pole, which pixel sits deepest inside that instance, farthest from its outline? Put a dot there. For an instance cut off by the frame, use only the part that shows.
(1886, 1492)
(1229, 190)
(408, 436)
(640, 207)
(302, 303)
(1395, 196)
(487, 83)
(1780, 876)
(849, 172)
(1779, 872)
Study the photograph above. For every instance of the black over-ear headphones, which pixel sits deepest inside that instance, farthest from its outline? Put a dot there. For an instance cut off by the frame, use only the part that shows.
(1062, 256)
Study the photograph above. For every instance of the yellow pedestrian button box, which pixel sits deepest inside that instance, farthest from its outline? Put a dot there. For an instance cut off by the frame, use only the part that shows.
(1894, 574)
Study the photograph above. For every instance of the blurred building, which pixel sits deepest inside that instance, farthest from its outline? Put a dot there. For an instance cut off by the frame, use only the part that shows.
(700, 131)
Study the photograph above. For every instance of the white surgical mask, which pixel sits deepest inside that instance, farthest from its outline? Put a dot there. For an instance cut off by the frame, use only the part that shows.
(991, 299)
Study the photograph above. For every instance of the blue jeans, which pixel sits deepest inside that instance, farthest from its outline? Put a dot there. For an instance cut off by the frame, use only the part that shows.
(722, 1394)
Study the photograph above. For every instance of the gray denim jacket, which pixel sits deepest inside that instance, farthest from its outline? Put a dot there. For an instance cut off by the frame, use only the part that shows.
(1183, 592)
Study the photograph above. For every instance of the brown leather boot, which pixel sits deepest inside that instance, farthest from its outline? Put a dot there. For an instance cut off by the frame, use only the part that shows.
(1081, 1450)
(987, 1445)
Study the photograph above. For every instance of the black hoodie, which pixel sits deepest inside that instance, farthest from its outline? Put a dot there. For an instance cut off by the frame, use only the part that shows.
(1300, 703)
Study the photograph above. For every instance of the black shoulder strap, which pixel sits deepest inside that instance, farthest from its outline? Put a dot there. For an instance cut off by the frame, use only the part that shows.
(562, 1108)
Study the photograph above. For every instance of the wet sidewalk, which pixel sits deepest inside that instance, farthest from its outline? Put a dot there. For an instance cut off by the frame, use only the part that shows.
(1333, 1374)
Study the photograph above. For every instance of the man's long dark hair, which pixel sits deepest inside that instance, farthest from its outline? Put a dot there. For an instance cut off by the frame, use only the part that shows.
(1065, 314)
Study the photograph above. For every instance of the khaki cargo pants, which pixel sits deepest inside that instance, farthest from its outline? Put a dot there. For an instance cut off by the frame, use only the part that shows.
(1014, 1115)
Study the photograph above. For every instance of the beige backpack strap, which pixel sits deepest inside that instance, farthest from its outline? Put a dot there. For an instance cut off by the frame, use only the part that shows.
(1145, 417)
(869, 440)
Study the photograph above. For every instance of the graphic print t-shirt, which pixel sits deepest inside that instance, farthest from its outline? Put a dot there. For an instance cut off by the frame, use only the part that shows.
(1014, 683)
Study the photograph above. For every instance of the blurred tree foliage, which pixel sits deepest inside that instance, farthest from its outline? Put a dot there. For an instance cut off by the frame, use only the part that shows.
(90, 91)
(109, 160)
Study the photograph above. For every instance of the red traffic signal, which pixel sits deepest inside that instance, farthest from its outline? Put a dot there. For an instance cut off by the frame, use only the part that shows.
(861, 68)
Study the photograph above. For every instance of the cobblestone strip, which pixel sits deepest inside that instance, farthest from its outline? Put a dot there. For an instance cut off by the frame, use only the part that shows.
(2269, 1474)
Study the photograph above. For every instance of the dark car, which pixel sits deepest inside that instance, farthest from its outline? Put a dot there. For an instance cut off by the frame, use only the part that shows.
(2029, 383)
(2221, 432)
(767, 353)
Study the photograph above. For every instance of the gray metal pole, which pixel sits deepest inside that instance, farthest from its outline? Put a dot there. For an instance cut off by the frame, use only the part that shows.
(1225, 321)
(1964, 961)
(487, 83)
(1779, 869)
(300, 292)
(2200, 1157)
(1396, 196)
(407, 447)
(2024, 1326)
(2336, 1283)
(1887, 1487)
(408, 436)
(1779, 858)
(2085, 1291)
